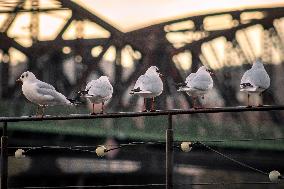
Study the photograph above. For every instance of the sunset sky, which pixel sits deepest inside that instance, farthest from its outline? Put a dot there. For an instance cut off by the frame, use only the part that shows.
(127, 15)
(132, 14)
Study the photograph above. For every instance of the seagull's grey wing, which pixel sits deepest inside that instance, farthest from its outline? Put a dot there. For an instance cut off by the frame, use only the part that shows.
(246, 77)
(201, 82)
(140, 83)
(260, 78)
(147, 84)
(256, 78)
(90, 84)
(48, 93)
(101, 88)
(45, 90)
(153, 84)
(44, 85)
(190, 77)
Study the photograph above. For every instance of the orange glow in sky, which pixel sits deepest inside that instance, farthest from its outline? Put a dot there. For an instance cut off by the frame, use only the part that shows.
(128, 15)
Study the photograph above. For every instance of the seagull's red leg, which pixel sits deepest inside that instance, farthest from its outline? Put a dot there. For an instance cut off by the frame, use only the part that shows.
(193, 97)
(37, 110)
(194, 103)
(201, 105)
(152, 105)
(102, 107)
(248, 101)
(144, 106)
(93, 113)
(260, 100)
(42, 111)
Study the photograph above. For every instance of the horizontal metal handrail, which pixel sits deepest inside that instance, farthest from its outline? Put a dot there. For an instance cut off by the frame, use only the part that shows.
(140, 114)
(169, 131)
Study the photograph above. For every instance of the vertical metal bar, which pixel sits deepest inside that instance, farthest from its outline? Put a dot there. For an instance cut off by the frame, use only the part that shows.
(4, 157)
(169, 153)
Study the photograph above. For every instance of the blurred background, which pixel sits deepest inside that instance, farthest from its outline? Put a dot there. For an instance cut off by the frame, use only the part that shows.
(68, 43)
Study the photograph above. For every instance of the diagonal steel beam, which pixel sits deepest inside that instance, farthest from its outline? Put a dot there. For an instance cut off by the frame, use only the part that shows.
(229, 33)
(59, 43)
(94, 65)
(12, 17)
(59, 35)
(31, 10)
(91, 16)
(234, 13)
(10, 42)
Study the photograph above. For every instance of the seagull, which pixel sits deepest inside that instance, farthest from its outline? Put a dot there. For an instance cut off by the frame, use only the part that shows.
(98, 91)
(197, 84)
(255, 80)
(41, 93)
(149, 85)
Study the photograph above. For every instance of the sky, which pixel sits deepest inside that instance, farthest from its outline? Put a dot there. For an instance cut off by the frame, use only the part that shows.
(128, 15)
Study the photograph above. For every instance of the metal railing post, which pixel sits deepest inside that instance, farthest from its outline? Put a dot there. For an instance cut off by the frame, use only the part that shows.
(4, 157)
(169, 153)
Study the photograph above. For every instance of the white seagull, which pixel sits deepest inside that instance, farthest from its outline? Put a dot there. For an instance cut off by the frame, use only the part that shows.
(255, 80)
(98, 91)
(41, 93)
(197, 84)
(149, 85)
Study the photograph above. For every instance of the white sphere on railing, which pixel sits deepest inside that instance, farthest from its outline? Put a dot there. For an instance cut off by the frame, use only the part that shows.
(101, 151)
(274, 176)
(19, 153)
(186, 146)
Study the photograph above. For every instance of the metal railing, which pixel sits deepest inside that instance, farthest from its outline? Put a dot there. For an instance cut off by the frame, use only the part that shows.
(169, 130)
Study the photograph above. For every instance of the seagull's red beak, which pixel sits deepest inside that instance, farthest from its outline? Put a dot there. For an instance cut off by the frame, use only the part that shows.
(19, 81)
(211, 73)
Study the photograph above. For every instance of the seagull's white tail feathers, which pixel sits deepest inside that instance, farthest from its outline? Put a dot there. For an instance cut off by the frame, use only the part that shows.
(183, 89)
(142, 92)
(72, 102)
(249, 89)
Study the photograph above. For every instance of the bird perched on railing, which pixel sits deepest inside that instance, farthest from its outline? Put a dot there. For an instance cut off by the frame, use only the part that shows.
(98, 91)
(255, 80)
(41, 93)
(197, 84)
(149, 85)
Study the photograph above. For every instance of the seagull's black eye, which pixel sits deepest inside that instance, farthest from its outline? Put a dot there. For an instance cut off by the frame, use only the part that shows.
(22, 76)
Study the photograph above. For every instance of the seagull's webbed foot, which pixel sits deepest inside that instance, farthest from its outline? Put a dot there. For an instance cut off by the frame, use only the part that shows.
(93, 113)
(40, 111)
(260, 100)
(195, 105)
(102, 112)
(39, 115)
(198, 107)
(248, 102)
(144, 105)
(153, 105)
